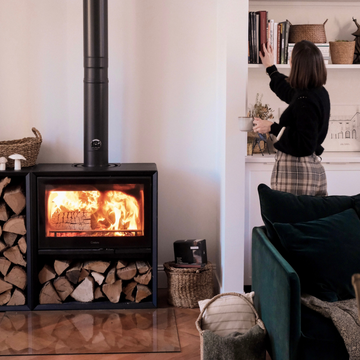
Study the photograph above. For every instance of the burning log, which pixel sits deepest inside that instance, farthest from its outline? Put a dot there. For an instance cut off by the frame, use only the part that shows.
(15, 198)
(71, 220)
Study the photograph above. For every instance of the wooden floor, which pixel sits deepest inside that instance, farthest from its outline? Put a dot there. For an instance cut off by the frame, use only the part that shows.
(188, 336)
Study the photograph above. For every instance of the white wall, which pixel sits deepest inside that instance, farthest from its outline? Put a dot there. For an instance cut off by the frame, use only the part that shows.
(172, 101)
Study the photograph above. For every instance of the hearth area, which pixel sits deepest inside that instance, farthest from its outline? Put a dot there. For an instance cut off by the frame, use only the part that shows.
(91, 237)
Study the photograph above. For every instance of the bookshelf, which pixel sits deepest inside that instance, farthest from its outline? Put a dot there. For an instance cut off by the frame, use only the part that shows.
(343, 85)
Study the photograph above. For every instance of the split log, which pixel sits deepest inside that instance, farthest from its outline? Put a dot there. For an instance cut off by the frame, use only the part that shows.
(48, 295)
(4, 265)
(71, 220)
(9, 238)
(143, 279)
(61, 265)
(98, 266)
(142, 266)
(99, 278)
(3, 183)
(110, 277)
(16, 225)
(22, 245)
(113, 291)
(47, 273)
(14, 255)
(4, 286)
(74, 272)
(17, 277)
(17, 298)
(142, 292)
(98, 294)
(83, 274)
(63, 287)
(121, 264)
(15, 198)
(5, 297)
(4, 212)
(127, 272)
(85, 291)
(128, 291)
(2, 246)
(1, 231)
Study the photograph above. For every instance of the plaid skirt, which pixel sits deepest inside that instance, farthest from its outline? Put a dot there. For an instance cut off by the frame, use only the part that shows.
(299, 175)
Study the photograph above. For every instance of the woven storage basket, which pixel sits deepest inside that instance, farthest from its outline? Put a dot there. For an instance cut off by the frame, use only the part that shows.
(311, 32)
(28, 147)
(186, 286)
(342, 52)
(254, 351)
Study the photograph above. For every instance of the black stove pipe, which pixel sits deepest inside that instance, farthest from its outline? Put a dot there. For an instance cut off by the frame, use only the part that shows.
(96, 83)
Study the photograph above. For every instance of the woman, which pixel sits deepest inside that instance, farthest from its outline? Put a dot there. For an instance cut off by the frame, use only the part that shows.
(303, 125)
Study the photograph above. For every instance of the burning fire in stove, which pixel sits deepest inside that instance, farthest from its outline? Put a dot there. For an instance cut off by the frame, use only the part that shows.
(94, 213)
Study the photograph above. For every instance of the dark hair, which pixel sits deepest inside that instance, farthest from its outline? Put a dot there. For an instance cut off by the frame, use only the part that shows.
(307, 66)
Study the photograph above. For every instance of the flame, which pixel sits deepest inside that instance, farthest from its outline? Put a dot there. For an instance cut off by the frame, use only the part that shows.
(102, 211)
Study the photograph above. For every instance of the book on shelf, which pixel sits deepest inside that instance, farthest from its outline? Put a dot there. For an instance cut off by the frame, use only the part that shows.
(263, 29)
(323, 47)
(257, 35)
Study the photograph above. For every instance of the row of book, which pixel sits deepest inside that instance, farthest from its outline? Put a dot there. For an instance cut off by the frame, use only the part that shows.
(267, 31)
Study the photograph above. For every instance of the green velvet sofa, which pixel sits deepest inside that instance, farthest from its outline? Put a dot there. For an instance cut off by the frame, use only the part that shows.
(305, 257)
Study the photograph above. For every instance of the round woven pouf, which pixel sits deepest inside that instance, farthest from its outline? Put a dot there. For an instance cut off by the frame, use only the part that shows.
(186, 286)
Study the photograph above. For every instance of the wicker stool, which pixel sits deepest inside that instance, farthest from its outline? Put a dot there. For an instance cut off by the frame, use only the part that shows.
(186, 286)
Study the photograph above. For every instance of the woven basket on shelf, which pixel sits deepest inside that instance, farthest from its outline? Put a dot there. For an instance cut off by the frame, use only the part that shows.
(28, 147)
(311, 32)
(342, 52)
(186, 286)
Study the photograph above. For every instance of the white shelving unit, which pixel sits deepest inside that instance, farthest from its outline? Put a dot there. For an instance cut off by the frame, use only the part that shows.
(343, 85)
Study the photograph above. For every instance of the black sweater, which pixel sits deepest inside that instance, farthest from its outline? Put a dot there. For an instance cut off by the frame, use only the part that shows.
(306, 119)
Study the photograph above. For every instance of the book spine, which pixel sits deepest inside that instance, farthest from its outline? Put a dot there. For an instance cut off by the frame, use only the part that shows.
(263, 28)
(278, 43)
(275, 46)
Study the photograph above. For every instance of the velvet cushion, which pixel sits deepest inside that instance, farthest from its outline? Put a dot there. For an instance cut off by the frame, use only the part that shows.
(325, 253)
(281, 207)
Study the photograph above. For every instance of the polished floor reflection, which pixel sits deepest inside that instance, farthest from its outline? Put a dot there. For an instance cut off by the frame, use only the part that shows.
(88, 332)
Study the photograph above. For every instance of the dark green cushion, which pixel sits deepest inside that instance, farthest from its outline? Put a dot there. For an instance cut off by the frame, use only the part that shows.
(325, 253)
(281, 207)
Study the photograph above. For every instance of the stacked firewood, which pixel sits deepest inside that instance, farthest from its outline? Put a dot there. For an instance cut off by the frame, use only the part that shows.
(13, 245)
(94, 280)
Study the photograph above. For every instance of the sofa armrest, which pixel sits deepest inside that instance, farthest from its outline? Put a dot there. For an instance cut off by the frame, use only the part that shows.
(277, 296)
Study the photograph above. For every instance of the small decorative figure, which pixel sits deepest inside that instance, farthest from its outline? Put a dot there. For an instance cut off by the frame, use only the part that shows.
(17, 160)
(357, 43)
(257, 141)
(3, 162)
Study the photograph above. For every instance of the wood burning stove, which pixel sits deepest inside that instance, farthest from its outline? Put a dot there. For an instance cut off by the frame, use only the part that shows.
(96, 212)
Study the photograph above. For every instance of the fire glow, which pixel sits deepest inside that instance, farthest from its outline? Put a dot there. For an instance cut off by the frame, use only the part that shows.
(94, 213)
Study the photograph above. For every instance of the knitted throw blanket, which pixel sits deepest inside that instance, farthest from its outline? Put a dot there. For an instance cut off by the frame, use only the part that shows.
(344, 315)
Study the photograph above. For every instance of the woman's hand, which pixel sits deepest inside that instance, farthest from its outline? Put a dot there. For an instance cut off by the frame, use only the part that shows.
(262, 126)
(268, 58)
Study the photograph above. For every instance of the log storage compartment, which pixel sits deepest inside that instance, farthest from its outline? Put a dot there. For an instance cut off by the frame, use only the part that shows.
(13, 241)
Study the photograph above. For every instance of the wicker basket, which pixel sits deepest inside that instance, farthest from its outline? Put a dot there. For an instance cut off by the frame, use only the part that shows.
(28, 147)
(186, 286)
(342, 52)
(311, 32)
(260, 338)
